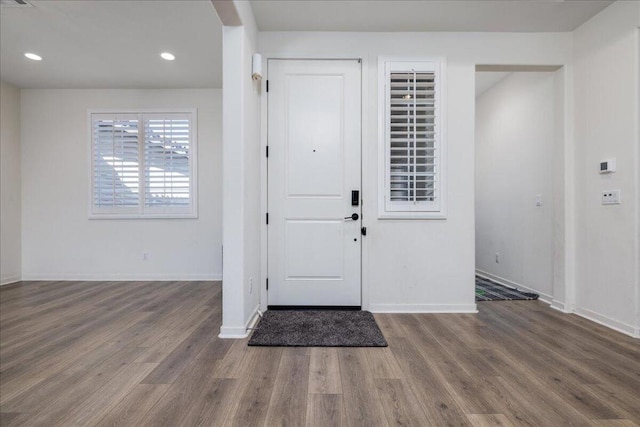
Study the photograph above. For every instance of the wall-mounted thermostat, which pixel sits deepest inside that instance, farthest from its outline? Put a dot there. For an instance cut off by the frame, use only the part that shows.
(608, 166)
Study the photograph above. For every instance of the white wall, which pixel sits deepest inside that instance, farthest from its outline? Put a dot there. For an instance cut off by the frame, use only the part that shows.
(515, 149)
(605, 90)
(60, 242)
(233, 170)
(423, 265)
(10, 208)
(241, 176)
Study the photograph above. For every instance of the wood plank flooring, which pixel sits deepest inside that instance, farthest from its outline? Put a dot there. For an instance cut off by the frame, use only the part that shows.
(147, 353)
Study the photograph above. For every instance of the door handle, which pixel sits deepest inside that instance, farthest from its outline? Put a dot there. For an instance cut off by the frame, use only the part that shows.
(354, 217)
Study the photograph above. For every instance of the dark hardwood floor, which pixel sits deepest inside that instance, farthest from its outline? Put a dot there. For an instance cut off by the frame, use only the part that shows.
(147, 353)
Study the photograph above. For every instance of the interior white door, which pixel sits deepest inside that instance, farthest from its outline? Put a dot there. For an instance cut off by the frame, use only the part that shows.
(313, 167)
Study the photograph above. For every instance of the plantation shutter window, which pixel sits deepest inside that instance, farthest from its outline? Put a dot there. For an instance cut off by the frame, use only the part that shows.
(413, 140)
(166, 156)
(115, 162)
(143, 165)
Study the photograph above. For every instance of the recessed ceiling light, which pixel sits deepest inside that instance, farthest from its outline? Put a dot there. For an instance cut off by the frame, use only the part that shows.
(33, 56)
(168, 56)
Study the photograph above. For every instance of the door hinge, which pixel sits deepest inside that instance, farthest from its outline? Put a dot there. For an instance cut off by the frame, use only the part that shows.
(267, 283)
(267, 218)
(267, 85)
(267, 151)
(363, 231)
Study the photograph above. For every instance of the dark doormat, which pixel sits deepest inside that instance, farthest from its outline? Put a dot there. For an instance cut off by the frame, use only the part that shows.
(487, 290)
(317, 328)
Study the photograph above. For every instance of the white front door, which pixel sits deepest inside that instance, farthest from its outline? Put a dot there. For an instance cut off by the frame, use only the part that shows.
(313, 168)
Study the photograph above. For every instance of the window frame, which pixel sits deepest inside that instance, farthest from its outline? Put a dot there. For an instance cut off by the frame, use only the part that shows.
(388, 209)
(142, 211)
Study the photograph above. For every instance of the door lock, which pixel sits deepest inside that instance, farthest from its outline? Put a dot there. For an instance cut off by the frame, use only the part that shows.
(354, 217)
(355, 198)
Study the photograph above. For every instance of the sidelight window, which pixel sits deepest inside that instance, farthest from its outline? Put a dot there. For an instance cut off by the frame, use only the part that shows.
(413, 142)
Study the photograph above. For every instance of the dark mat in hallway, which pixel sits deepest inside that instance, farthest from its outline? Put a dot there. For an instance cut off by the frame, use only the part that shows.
(487, 290)
(317, 328)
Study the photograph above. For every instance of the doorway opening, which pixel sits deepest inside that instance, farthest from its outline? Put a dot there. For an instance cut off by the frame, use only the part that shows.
(519, 181)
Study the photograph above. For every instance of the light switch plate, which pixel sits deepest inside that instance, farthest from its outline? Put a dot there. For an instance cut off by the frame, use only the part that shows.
(611, 197)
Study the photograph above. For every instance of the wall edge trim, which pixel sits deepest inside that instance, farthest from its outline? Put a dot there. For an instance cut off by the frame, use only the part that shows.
(9, 279)
(608, 322)
(423, 308)
(559, 305)
(240, 332)
(123, 277)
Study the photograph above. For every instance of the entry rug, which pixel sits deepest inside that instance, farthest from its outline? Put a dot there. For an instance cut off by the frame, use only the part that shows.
(317, 328)
(487, 290)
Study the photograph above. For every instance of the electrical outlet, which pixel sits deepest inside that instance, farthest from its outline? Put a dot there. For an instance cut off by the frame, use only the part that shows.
(538, 199)
(611, 197)
(497, 258)
(145, 256)
(250, 285)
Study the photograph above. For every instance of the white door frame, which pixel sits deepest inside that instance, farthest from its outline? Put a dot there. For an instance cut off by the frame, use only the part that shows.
(365, 191)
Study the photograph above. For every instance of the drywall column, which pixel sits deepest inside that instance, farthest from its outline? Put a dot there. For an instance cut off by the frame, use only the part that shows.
(563, 195)
(10, 205)
(232, 184)
(240, 171)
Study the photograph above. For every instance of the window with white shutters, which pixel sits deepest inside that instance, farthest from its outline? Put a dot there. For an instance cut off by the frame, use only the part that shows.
(412, 141)
(116, 173)
(166, 156)
(143, 165)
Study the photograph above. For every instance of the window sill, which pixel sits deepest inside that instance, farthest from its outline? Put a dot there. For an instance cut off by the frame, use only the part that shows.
(412, 215)
(99, 216)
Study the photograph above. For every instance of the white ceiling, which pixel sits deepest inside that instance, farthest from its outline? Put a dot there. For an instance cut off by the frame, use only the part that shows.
(116, 43)
(424, 15)
(111, 44)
